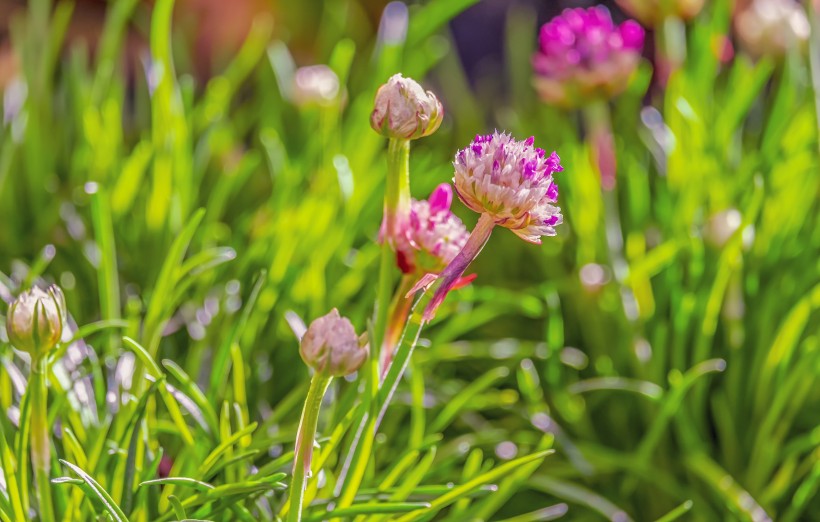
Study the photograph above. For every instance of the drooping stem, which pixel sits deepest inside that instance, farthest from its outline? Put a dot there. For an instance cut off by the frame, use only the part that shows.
(396, 207)
(40, 439)
(399, 309)
(478, 238)
(304, 444)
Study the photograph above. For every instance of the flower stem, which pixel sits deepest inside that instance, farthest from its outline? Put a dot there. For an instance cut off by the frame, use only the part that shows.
(40, 439)
(478, 238)
(396, 206)
(670, 42)
(598, 124)
(399, 309)
(304, 444)
(397, 189)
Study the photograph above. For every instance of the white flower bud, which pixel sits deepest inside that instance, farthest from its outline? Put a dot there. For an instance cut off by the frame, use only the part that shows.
(772, 27)
(35, 320)
(404, 110)
(331, 346)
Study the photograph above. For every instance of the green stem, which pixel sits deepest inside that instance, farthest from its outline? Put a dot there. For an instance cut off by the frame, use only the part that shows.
(304, 444)
(40, 439)
(396, 207)
(670, 40)
(399, 309)
(598, 123)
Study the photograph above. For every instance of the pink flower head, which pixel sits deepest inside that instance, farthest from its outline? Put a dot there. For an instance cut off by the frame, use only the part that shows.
(512, 182)
(432, 235)
(583, 55)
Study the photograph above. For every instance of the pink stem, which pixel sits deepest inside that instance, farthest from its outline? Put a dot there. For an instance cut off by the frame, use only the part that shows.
(478, 238)
(399, 309)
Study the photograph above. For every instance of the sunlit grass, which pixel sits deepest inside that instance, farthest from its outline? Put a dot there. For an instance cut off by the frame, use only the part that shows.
(671, 365)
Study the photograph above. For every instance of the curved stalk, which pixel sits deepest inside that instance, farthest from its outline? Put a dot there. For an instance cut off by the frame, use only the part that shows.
(398, 317)
(304, 444)
(444, 283)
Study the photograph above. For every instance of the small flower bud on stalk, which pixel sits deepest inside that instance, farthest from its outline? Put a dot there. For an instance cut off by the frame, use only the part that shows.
(35, 325)
(331, 347)
(35, 321)
(404, 110)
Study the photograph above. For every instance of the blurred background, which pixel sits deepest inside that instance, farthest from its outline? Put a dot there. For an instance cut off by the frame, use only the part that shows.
(667, 338)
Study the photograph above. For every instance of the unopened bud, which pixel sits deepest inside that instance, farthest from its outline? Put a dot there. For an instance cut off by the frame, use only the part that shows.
(404, 110)
(35, 320)
(772, 27)
(331, 346)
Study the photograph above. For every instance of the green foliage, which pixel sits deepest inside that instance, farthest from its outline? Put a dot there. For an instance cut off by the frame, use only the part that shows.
(674, 373)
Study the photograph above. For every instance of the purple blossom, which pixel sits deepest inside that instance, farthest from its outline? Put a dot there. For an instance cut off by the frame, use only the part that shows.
(512, 182)
(583, 55)
(432, 236)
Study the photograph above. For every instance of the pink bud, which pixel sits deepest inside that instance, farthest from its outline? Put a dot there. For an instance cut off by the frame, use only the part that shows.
(331, 346)
(404, 110)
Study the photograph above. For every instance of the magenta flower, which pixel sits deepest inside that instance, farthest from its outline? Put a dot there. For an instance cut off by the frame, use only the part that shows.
(510, 183)
(432, 236)
(583, 55)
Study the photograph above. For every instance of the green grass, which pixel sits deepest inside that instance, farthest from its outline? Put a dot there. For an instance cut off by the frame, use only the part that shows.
(184, 221)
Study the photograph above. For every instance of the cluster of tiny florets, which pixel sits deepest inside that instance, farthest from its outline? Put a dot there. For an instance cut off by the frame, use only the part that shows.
(433, 235)
(583, 54)
(512, 181)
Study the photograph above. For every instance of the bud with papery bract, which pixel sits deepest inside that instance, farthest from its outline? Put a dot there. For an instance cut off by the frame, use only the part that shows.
(654, 12)
(35, 320)
(404, 110)
(512, 182)
(584, 56)
(331, 346)
(772, 27)
(432, 235)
